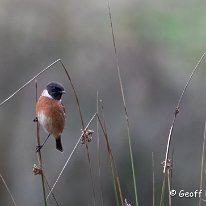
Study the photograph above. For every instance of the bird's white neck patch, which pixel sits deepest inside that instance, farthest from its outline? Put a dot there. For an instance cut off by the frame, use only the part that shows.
(46, 94)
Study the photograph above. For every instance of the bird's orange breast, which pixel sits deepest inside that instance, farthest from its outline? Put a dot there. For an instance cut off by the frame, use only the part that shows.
(51, 115)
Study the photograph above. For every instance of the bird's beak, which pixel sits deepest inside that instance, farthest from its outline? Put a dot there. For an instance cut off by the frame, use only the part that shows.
(63, 92)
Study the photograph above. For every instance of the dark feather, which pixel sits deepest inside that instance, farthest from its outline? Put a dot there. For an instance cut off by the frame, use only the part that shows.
(59, 144)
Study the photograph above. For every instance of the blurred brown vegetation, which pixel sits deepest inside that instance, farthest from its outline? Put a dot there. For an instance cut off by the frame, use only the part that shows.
(158, 45)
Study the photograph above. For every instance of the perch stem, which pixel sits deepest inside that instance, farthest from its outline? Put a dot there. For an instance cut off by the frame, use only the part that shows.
(39, 157)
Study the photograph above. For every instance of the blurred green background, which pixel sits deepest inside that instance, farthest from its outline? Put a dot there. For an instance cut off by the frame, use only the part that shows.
(158, 42)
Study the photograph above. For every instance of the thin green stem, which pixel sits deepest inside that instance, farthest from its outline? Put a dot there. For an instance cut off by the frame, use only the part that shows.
(169, 186)
(47, 183)
(202, 163)
(162, 192)
(8, 190)
(177, 110)
(115, 175)
(124, 103)
(110, 158)
(98, 150)
(90, 173)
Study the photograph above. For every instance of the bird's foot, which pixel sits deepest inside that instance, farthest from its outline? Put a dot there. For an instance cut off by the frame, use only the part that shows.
(35, 119)
(38, 148)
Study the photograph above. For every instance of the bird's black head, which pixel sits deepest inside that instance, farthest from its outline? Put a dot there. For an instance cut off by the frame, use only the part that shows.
(55, 89)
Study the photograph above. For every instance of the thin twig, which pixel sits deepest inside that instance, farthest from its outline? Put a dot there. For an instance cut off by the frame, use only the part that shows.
(28, 82)
(90, 173)
(47, 183)
(169, 186)
(162, 196)
(110, 159)
(63, 168)
(70, 156)
(115, 175)
(190, 78)
(75, 93)
(124, 103)
(172, 164)
(82, 122)
(202, 163)
(98, 150)
(177, 110)
(119, 186)
(8, 190)
(39, 152)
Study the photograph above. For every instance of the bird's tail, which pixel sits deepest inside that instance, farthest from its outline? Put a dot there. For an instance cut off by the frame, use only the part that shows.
(59, 144)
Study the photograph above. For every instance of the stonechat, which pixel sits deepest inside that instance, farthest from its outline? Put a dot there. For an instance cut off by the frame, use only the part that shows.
(50, 111)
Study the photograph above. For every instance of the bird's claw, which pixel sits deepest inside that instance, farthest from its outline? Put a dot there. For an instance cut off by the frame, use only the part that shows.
(35, 119)
(38, 148)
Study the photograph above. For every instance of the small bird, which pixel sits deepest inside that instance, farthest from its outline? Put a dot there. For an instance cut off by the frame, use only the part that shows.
(50, 111)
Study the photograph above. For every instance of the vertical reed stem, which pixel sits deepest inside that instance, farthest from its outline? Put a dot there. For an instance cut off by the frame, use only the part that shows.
(39, 152)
